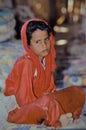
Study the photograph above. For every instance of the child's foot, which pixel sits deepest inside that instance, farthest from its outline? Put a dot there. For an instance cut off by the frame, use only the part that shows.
(66, 119)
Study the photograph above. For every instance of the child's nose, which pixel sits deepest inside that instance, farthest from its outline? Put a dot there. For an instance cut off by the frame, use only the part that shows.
(44, 44)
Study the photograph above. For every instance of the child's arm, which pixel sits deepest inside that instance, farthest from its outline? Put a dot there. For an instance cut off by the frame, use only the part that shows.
(11, 81)
(19, 82)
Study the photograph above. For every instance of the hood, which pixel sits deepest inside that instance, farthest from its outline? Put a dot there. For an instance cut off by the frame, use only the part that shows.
(29, 51)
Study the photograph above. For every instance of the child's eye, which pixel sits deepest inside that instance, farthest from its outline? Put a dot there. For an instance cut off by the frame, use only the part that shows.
(47, 39)
(38, 42)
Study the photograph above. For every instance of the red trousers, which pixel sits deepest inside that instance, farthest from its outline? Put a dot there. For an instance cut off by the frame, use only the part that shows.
(48, 108)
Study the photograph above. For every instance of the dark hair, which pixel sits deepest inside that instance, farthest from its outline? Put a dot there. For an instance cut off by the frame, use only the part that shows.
(33, 26)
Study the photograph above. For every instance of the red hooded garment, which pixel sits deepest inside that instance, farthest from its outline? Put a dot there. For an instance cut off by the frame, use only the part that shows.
(34, 89)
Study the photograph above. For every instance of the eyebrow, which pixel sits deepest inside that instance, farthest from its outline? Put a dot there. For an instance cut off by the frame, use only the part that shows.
(47, 37)
(44, 38)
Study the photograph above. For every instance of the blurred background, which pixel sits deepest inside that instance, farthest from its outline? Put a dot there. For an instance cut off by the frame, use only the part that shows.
(68, 21)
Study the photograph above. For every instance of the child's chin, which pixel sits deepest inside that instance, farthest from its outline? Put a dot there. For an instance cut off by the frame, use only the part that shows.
(46, 53)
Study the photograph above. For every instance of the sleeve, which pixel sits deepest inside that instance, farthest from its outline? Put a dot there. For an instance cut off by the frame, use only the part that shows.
(11, 81)
(19, 82)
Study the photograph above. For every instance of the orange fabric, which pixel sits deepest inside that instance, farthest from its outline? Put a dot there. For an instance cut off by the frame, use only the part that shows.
(31, 114)
(70, 99)
(33, 92)
(21, 78)
(43, 109)
(26, 87)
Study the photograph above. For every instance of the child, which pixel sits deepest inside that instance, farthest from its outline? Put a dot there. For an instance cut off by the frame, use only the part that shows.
(31, 81)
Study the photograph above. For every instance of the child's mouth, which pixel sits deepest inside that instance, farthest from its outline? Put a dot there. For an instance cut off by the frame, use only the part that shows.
(45, 50)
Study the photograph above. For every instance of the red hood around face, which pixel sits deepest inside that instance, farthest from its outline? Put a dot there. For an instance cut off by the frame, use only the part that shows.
(28, 51)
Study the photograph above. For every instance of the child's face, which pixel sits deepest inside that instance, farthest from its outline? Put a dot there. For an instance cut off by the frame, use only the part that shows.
(40, 43)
